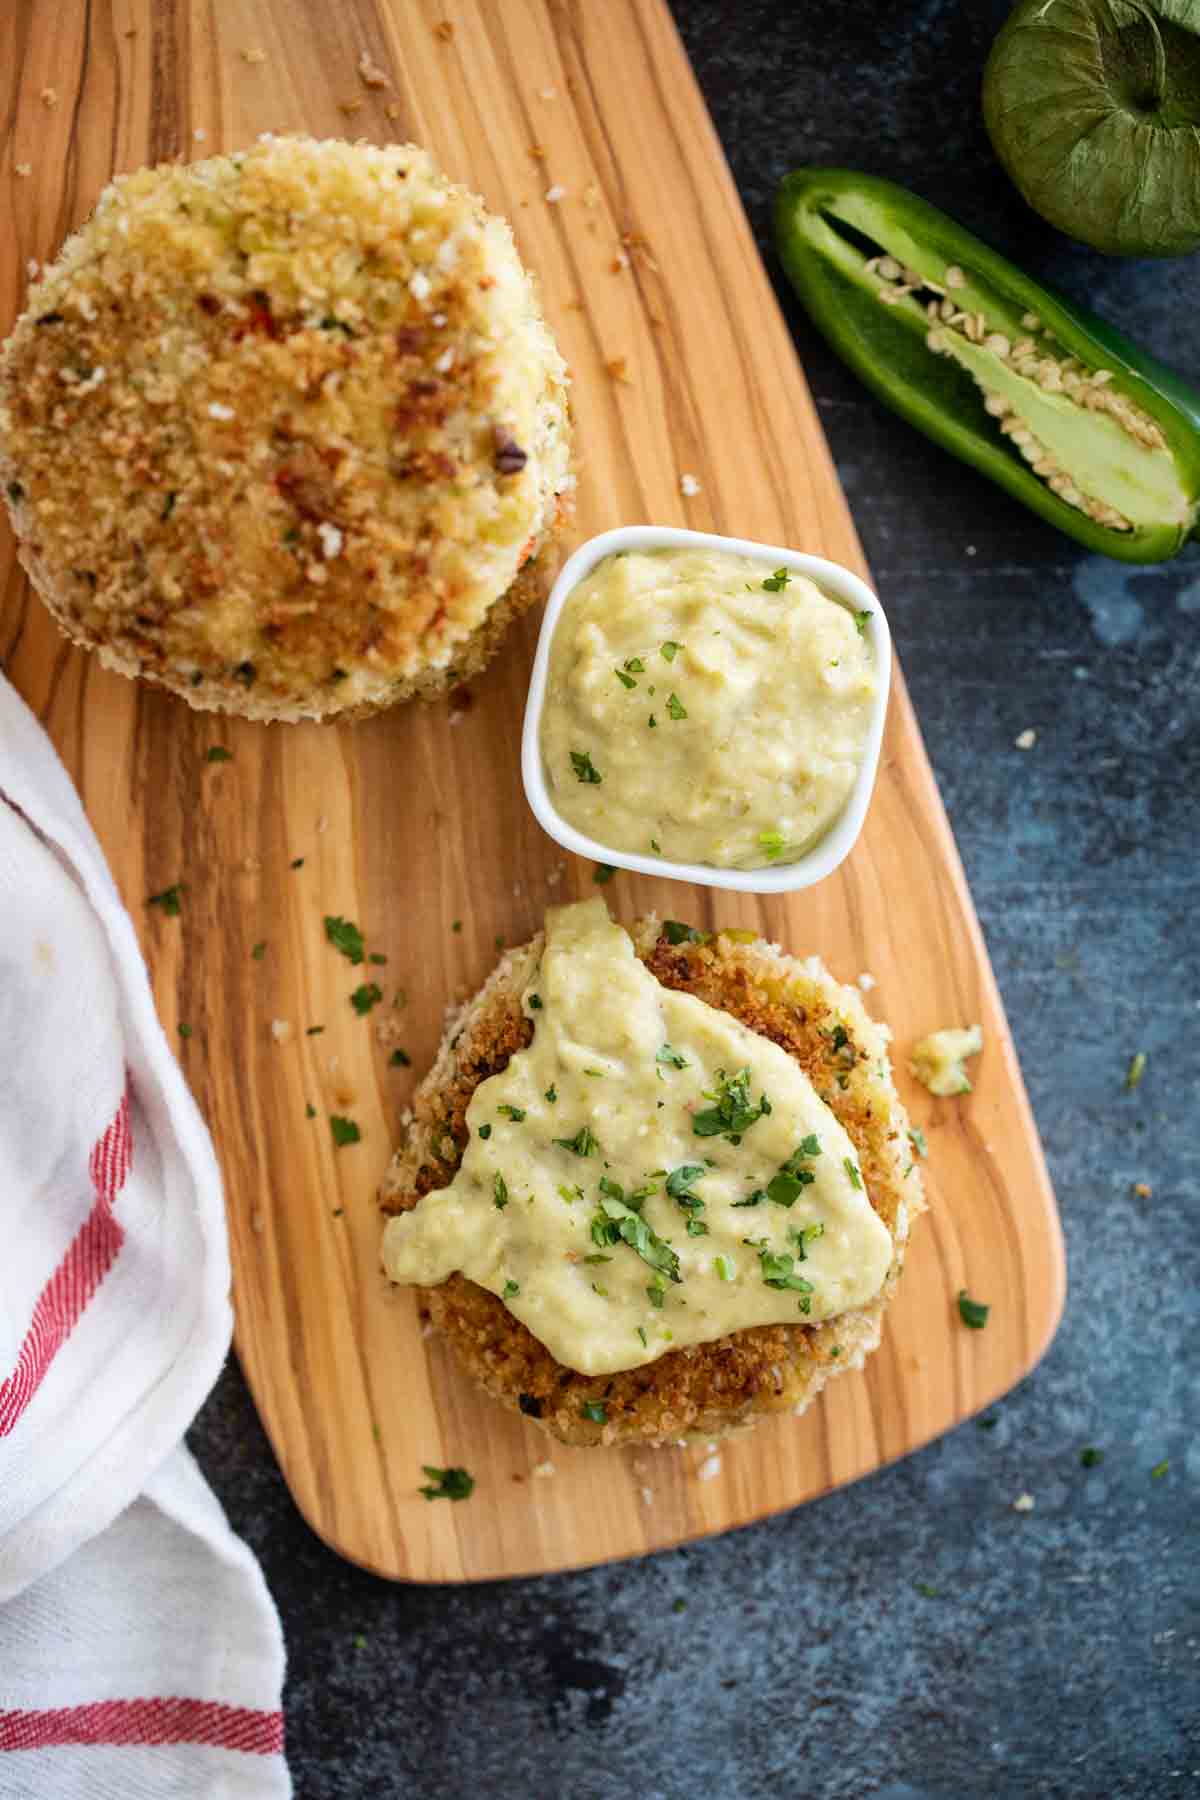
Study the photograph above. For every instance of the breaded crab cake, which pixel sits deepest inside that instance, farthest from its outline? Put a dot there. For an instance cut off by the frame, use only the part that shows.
(283, 430)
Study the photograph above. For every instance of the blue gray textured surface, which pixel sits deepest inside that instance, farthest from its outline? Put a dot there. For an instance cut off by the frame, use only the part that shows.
(912, 1637)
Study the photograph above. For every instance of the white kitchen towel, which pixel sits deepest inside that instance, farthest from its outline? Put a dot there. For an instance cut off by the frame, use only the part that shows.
(140, 1653)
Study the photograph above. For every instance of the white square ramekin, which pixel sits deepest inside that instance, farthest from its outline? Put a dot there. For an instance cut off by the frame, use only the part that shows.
(777, 878)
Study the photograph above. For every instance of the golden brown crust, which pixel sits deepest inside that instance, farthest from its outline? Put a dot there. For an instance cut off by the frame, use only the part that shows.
(279, 429)
(713, 1388)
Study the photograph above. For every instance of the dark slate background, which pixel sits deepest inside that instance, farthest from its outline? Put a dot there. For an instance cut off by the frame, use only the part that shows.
(1058, 1652)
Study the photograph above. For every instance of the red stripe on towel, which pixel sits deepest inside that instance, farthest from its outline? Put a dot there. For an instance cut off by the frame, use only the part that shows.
(92, 1253)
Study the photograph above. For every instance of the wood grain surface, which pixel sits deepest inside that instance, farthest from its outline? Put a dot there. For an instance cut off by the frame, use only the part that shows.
(415, 825)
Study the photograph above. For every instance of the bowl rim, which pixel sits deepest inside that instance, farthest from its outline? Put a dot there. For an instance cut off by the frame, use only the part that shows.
(839, 583)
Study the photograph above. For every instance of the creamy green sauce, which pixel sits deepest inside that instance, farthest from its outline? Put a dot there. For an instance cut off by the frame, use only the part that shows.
(648, 1174)
(694, 713)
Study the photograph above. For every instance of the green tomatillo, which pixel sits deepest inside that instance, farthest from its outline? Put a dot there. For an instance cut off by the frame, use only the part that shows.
(1093, 107)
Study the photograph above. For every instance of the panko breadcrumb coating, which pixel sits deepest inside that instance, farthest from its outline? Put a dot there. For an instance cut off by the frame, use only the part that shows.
(713, 1388)
(280, 430)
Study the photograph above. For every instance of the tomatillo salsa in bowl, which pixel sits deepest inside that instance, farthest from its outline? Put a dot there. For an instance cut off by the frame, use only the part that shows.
(706, 708)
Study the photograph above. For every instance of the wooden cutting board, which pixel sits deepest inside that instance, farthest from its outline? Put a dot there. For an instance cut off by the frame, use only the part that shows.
(414, 825)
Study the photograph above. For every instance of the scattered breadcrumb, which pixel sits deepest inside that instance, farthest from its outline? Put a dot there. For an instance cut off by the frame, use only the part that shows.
(350, 107)
(618, 369)
(866, 982)
(1143, 1190)
(372, 76)
(555, 194)
(254, 56)
(392, 110)
(49, 96)
(547, 93)
(709, 1468)
(647, 1496)
(538, 152)
(591, 196)
(555, 875)
(1023, 1503)
(689, 487)
(444, 30)
(199, 134)
(322, 824)
(281, 1030)
(427, 1329)
(256, 1221)
(938, 1061)
(23, 169)
(619, 262)
(542, 1470)
(32, 267)
(1025, 740)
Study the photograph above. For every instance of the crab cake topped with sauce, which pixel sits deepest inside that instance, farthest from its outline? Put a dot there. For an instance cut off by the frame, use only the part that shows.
(283, 430)
(656, 1184)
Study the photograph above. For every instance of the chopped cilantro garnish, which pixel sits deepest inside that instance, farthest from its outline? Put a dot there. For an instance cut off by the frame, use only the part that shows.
(515, 1113)
(669, 650)
(677, 933)
(851, 1169)
(635, 665)
(185, 1031)
(724, 1267)
(675, 707)
(1090, 1457)
(345, 1131)
(259, 950)
(775, 583)
(499, 1191)
(581, 762)
(656, 1293)
(917, 1139)
(641, 1331)
(973, 1313)
(672, 1058)
(511, 1288)
(773, 843)
(218, 753)
(375, 956)
(656, 846)
(1160, 1469)
(603, 872)
(551, 1094)
(456, 924)
(617, 1223)
(485, 1131)
(345, 936)
(652, 722)
(366, 996)
(310, 1111)
(535, 1003)
(298, 863)
(930, 1593)
(447, 1484)
(314, 1030)
(860, 622)
(1134, 1073)
(778, 1272)
(583, 1143)
(570, 1194)
(596, 1411)
(168, 507)
(624, 679)
(169, 899)
(734, 1113)
(400, 1059)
